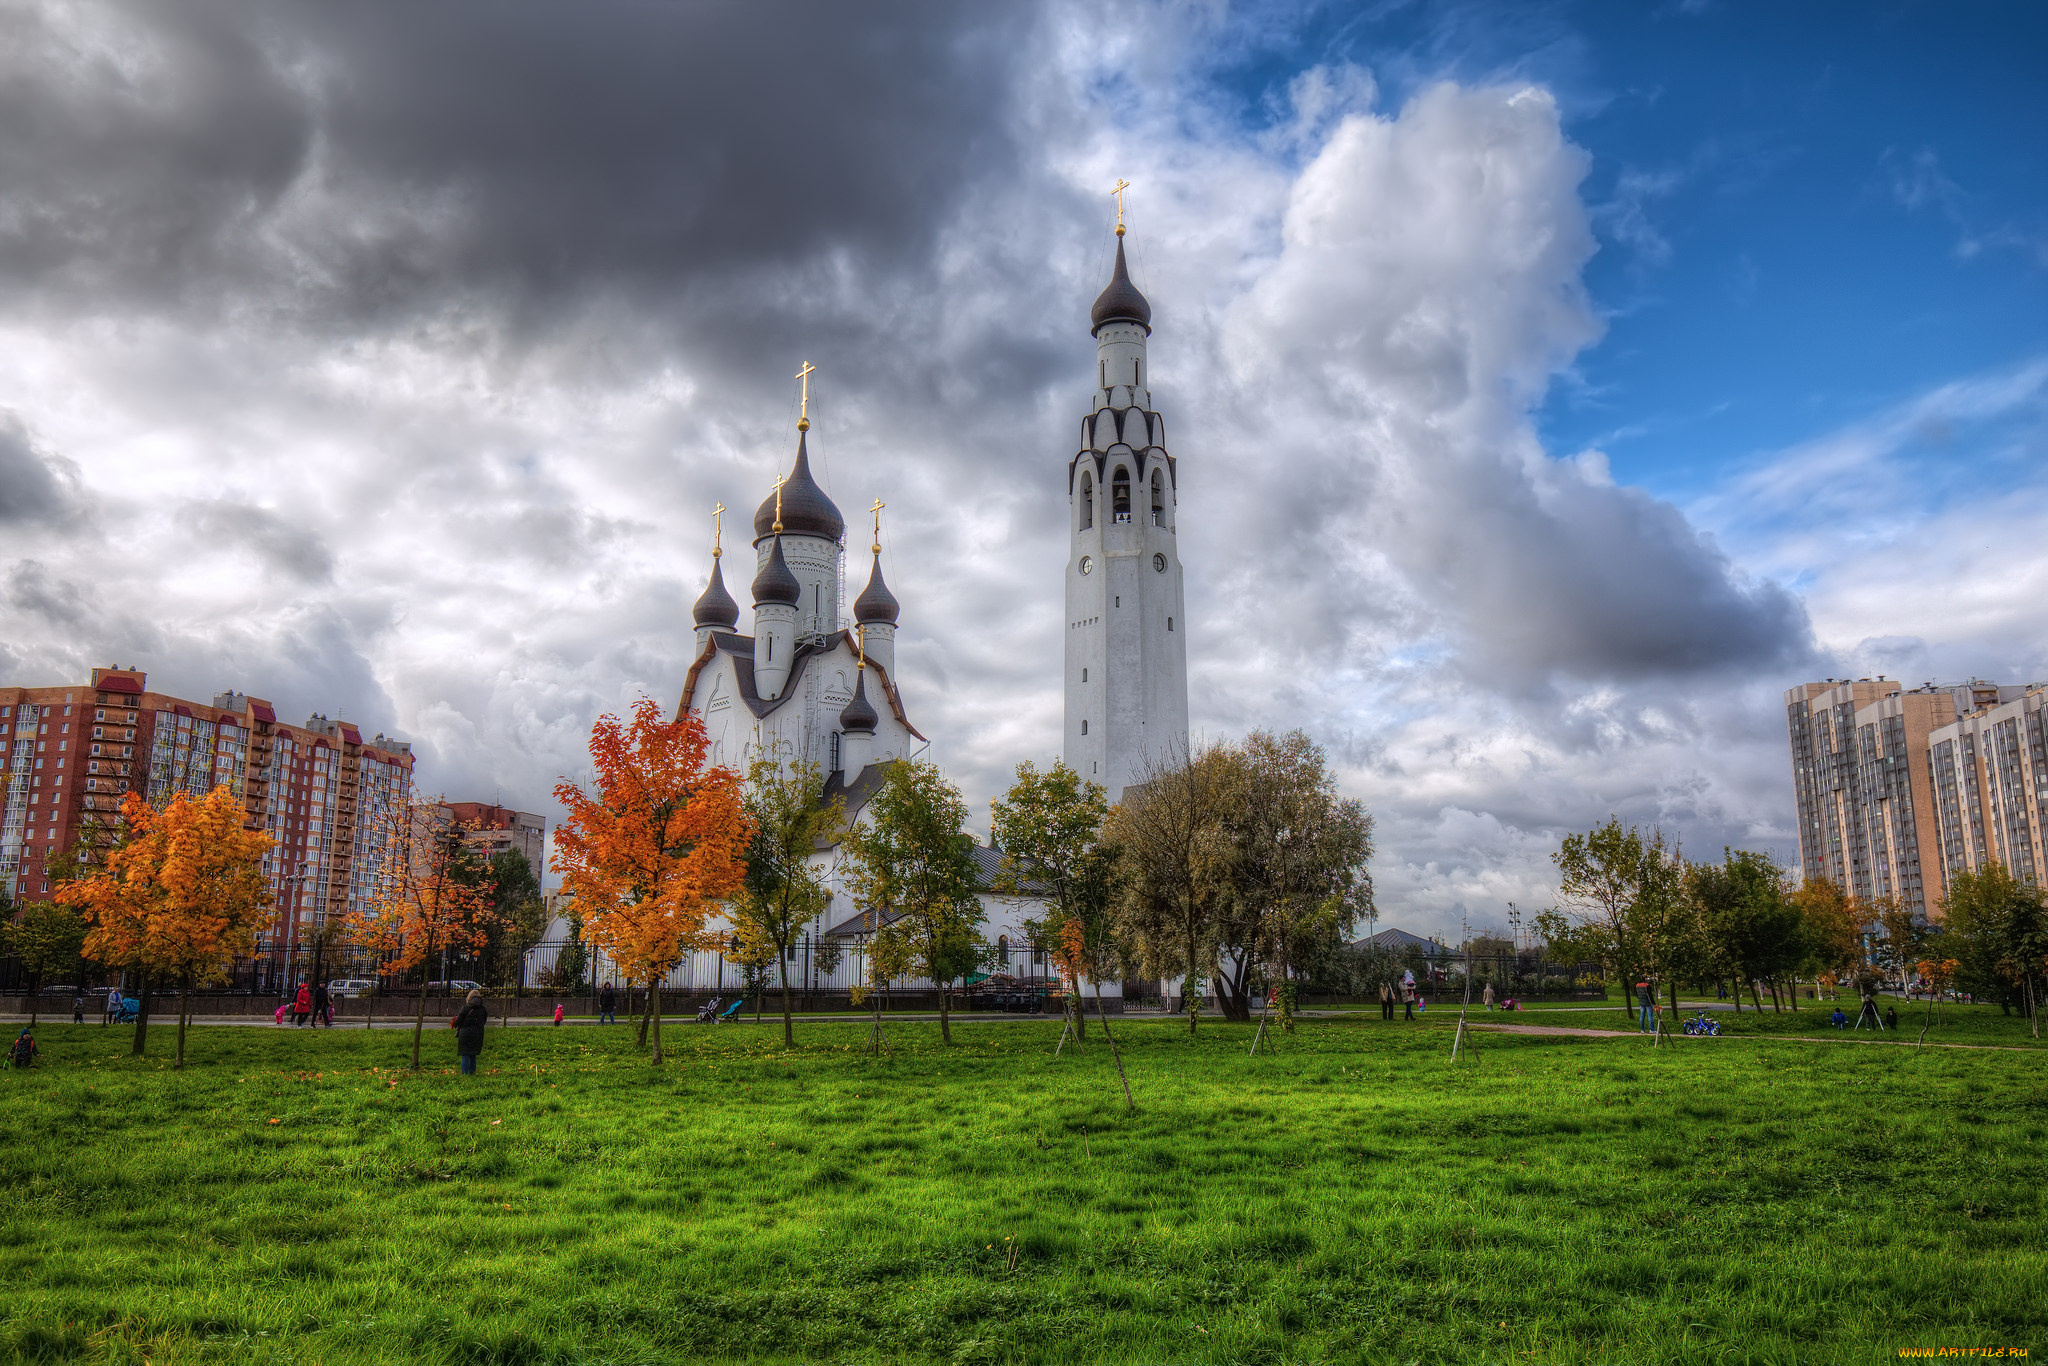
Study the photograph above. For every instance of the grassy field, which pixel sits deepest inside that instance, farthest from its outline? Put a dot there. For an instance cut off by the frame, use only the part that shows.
(290, 1197)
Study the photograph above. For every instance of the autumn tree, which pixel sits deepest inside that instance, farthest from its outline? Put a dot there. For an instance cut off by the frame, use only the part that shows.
(1831, 927)
(177, 897)
(910, 860)
(654, 848)
(43, 937)
(1177, 864)
(784, 889)
(430, 897)
(1048, 831)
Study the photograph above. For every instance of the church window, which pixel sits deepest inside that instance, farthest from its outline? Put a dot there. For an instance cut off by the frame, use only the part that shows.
(1003, 949)
(1084, 675)
(1158, 499)
(835, 752)
(1138, 373)
(1087, 502)
(1102, 373)
(1120, 496)
(1169, 623)
(1084, 726)
(771, 649)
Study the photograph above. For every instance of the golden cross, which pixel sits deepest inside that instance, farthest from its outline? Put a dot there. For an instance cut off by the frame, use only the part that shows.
(803, 418)
(780, 480)
(717, 531)
(877, 510)
(863, 646)
(1121, 186)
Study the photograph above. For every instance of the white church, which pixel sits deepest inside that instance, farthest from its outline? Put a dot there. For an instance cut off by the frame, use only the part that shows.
(810, 685)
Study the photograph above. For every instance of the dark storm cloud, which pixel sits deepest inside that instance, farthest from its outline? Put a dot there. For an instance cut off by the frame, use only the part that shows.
(278, 543)
(34, 490)
(383, 156)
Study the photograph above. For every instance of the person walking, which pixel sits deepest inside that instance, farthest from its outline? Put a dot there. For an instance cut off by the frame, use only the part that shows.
(302, 1005)
(78, 1007)
(1407, 1000)
(323, 1006)
(1386, 1001)
(558, 1014)
(1646, 1002)
(113, 1004)
(468, 1025)
(1486, 996)
(607, 1005)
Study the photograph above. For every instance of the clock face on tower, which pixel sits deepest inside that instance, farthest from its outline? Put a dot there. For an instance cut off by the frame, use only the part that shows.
(1087, 563)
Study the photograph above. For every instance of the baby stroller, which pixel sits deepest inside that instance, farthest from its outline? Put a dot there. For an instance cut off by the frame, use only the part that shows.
(1703, 1027)
(708, 1012)
(131, 1009)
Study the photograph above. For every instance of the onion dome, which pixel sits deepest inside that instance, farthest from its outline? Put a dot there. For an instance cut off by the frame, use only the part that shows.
(716, 607)
(775, 583)
(806, 511)
(857, 714)
(876, 605)
(1120, 303)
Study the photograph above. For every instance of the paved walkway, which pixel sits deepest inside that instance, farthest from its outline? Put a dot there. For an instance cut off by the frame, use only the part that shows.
(1753, 1038)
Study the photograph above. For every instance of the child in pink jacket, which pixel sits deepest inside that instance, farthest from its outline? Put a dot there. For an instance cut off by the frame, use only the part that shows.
(558, 1012)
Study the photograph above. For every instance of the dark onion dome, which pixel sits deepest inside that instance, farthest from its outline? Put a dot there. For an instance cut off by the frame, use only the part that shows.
(806, 511)
(858, 715)
(716, 607)
(876, 604)
(1120, 303)
(775, 583)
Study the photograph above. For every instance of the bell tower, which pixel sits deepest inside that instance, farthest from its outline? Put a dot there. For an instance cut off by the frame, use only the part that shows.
(1126, 649)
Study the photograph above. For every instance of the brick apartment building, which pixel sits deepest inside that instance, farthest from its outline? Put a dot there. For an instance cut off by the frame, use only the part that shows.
(491, 830)
(74, 751)
(1897, 788)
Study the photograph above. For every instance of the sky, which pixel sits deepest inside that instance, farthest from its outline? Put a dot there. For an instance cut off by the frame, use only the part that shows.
(1553, 385)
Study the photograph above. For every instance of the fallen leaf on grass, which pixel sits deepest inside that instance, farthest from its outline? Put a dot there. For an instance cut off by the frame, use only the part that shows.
(276, 1121)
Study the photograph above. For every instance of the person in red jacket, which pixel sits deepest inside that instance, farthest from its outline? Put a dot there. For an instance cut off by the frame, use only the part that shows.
(302, 1005)
(558, 1012)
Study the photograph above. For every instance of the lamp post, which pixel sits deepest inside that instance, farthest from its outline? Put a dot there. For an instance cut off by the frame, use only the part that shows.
(1515, 925)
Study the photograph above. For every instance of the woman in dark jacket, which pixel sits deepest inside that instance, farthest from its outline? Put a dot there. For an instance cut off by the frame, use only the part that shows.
(469, 1031)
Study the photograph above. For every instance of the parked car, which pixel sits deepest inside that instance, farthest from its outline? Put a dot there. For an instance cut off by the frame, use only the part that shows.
(349, 988)
(460, 984)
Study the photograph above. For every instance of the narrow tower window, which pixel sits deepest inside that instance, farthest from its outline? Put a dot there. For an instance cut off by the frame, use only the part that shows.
(1087, 502)
(1158, 499)
(835, 752)
(1084, 726)
(1120, 496)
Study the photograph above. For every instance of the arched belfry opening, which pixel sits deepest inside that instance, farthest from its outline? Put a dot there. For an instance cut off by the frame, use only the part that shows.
(1120, 496)
(1158, 498)
(1087, 501)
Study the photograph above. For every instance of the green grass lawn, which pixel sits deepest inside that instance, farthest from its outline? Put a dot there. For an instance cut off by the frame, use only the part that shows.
(291, 1197)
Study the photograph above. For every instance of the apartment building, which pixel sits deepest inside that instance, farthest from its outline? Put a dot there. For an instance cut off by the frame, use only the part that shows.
(1865, 784)
(491, 830)
(1990, 777)
(74, 752)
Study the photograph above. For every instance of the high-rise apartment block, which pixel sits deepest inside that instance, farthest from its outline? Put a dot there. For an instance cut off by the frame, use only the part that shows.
(491, 830)
(73, 753)
(1895, 787)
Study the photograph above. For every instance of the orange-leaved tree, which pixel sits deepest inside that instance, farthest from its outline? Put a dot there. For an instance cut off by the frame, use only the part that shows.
(429, 898)
(177, 897)
(656, 846)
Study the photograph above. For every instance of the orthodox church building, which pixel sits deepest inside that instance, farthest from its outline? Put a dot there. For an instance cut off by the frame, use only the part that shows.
(815, 683)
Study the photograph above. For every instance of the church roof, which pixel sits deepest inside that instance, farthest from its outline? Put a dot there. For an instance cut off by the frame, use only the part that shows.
(806, 511)
(775, 583)
(741, 649)
(859, 714)
(876, 603)
(1120, 302)
(716, 607)
(988, 864)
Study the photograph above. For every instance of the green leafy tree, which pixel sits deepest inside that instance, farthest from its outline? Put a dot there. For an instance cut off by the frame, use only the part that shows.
(784, 889)
(1049, 829)
(1898, 937)
(1996, 928)
(1749, 918)
(910, 862)
(1621, 888)
(516, 918)
(572, 960)
(1177, 866)
(44, 937)
(1297, 866)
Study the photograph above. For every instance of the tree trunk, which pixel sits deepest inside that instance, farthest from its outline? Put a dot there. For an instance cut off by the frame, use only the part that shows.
(1191, 1001)
(654, 1009)
(1672, 983)
(419, 1018)
(945, 1021)
(370, 1004)
(141, 1014)
(788, 1030)
(1753, 996)
(646, 1016)
(35, 986)
(1792, 991)
(1736, 996)
(1114, 1055)
(184, 1014)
